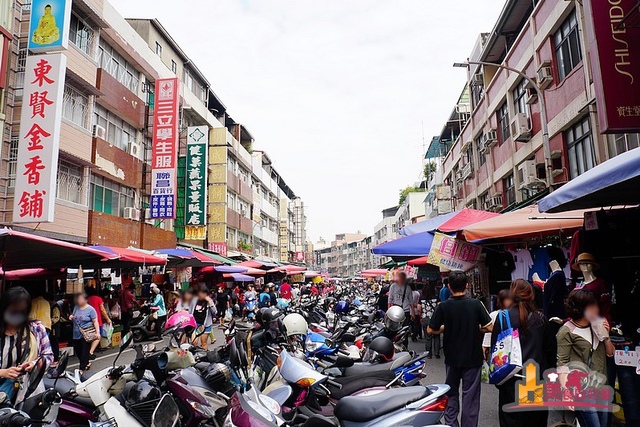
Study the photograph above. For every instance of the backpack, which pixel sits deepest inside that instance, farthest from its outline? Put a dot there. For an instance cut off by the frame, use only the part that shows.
(265, 300)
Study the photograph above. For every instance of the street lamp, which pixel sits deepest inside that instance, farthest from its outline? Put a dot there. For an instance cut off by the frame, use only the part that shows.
(543, 113)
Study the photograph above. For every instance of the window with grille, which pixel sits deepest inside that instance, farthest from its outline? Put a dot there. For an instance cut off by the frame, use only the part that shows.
(81, 34)
(70, 184)
(119, 132)
(110, 197)
(520, 97)
(580, 148)
(503, 122)
(113, 63)
(509, 185)
(12, 160)
(622, 142)
(75, 106)
(567, 42)
(482, 155)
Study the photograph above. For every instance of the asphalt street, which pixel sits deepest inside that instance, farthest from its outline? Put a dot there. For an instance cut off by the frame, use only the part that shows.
(435, 373)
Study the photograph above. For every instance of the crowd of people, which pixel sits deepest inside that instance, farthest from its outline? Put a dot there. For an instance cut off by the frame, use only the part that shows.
(469, 333)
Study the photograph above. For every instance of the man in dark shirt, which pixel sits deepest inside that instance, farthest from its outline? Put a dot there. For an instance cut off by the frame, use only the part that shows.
(464, 319)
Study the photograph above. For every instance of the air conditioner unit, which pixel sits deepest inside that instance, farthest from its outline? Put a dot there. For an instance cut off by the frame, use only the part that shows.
(545, 75)
(135, 150)
(466, 145)
(490, 138)
(243, 211)
(493, 203)
(467, 171)
(528, 174)
(99, 132)
(520, 129)
(147, 216)
(132, 213)
(478, 79)
(532, 96)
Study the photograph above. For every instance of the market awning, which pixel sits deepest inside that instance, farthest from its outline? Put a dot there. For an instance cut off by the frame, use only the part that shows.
(311, 274)
(223, 269)
(430, 224)
(186, 258)
(415, 245)
(238, 277)
(423, 260)
(523, 223)
(126, 256)
(615, 182)
(252, 263)
(465, 218)
(34, 274)
(23, 250)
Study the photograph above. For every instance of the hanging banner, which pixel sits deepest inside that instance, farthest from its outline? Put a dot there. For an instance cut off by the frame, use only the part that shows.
(453, 254)
(196, 177)
(49, 25)
(218, 247)
(164, 144)
(40, 120)
(614, 50)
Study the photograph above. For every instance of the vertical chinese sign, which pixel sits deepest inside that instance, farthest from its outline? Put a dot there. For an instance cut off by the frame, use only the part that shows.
(217, 200)
(40, 120)
(164, 155)
(614, 50)
(452, 254)
(196, 183)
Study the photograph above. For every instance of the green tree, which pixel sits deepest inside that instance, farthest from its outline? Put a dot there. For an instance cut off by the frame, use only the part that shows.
(405, 192)
(429, 170)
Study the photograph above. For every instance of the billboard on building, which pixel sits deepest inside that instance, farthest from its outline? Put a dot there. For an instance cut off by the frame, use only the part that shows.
(49, 25)
(219, 247)
(614, 49)
(40, 120)
(164, 157)
(196, 176)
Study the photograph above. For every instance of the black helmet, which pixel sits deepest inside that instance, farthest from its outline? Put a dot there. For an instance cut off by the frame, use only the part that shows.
(270, 314)
(380, 350)
(143, 391)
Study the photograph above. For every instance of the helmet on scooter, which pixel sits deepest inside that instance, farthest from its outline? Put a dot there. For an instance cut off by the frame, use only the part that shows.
(394, 318)
(268, 315)
(295, 324)
(143, 391)
(380, 350)
(342, 307)
(186, 321)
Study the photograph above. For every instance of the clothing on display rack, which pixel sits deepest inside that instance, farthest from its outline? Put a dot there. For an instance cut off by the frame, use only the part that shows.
(500, 266)
(541, 261)
(555, 293)
(523, 262)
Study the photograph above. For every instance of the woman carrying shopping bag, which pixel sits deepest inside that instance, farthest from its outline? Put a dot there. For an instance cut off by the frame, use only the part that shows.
(85, 329)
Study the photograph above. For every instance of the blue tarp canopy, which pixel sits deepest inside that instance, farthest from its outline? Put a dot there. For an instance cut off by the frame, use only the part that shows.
(415, 245)
(427, 225)
(615, 182)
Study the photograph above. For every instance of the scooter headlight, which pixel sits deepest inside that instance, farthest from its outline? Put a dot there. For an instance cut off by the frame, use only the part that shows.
(205, 410)
(312, 346)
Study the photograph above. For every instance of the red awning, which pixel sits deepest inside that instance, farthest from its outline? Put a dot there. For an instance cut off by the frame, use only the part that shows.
(23, 250)
(418, 261)
(464, 218)
(34, 273)
(130, 256)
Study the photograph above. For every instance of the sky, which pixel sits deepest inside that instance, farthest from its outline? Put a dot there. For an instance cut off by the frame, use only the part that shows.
(338, 93)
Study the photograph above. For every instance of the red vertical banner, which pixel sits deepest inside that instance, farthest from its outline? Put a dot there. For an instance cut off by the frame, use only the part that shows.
(164, 154)
(614, 49)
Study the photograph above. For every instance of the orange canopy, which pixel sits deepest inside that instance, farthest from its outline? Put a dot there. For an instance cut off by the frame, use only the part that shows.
(423, 260)
(525, 222)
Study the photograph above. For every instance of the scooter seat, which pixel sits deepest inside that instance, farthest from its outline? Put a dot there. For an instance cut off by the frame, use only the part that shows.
(360, 382)
(367, 408)
(399, 360)
(62, 386)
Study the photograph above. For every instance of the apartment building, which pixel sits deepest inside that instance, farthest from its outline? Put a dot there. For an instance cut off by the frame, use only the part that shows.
(104, 170)
(496, 158)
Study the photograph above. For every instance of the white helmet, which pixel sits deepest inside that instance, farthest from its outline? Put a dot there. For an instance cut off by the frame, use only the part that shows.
(394, 318)
(295, 324)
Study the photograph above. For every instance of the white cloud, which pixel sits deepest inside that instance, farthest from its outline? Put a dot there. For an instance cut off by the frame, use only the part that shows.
(335, 91)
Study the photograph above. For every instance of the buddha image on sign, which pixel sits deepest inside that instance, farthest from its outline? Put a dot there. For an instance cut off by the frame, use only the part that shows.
(47, 32)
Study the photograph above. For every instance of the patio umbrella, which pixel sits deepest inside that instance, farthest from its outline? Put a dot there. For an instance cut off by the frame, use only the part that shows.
(423, 260)
(410, 246)
(226, 269)
(23, 250)
(612, 183)
(239, 277)
(522, 223)
(127, 256)
(34, 273)
(186, 258)
(430, 224)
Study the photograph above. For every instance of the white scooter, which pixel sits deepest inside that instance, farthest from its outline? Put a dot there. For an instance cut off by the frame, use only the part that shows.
(102, 388)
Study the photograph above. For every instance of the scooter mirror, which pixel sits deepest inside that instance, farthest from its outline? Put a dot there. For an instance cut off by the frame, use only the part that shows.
(62, 364)
(35, 376)
(126, 341)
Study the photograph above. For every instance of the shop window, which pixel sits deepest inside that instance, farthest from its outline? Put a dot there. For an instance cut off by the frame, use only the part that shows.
(509, 185)
(503, 122)
(580, 148)
(110, 197)
(567, 42)
(70, 183)
(75, 106)
(81, 34)
(520, 97)
(623, 142)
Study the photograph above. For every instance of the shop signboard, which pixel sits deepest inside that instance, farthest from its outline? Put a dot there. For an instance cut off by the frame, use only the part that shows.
(195, 232)
(453, 254)
(196, 177)
(218, 247)
(164, 144)
(49, 25)
(40, 120)
(300, 256)
(614, 50)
